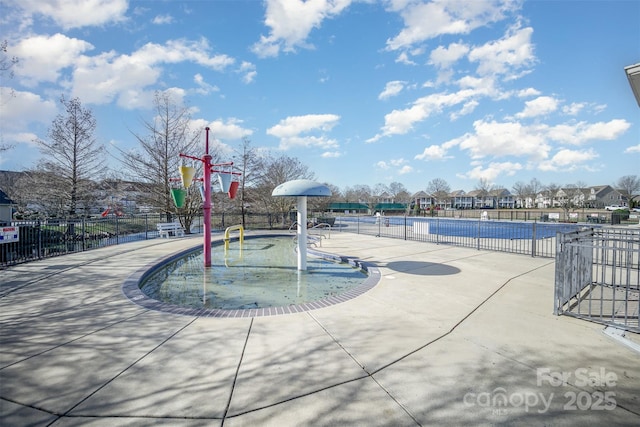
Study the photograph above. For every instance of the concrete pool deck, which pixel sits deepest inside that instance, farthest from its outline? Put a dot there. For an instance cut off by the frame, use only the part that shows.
(449, 336)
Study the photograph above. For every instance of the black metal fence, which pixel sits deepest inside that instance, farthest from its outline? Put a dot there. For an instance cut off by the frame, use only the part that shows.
(594, 216)
(597, 276)
(529, 238)
(23, 241)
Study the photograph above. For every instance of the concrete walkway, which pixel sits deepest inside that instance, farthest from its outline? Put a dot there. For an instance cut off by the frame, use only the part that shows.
(449, 336)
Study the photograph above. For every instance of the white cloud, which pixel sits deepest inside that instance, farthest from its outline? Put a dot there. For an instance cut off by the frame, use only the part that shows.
(467, 108)
(399, 122)
(633, 149)
(204, 88)
(331, 154)
(392, 89)
(403, 58)
(433, 152)
(538, 107)
(567, 160)
(582, 132)
(162, 19)
(291, 131)
(74, 13)
(230, 129)
(248, 70)
(291, 21)
(101, 79)
(423, 21)
(574, 108)
(505, 56)
(42, 58)
(22, 108)
(503, 139)
(444, 57)
(405, 170)
(493, 171)
(382, 165)
(525, 93)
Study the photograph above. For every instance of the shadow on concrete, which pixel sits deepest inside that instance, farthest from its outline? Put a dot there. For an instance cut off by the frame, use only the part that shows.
(423, 268)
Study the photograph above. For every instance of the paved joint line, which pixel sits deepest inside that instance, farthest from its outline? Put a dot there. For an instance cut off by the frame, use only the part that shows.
(461, 321)
(235, 377)
(73, 340)
(122, 372)
(338, 343)
(406, 410)
(80, 264)
(310, 393)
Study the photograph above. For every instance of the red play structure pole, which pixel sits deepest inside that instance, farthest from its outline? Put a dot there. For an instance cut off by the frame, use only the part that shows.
(206, 207)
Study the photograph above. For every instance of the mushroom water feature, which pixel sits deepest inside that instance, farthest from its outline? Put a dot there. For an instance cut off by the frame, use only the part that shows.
(301, 189)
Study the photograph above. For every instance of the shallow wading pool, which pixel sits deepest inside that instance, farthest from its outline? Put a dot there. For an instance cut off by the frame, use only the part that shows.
(258, 277)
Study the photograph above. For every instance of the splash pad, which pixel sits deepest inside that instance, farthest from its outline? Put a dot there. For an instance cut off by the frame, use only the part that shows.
(256, 279)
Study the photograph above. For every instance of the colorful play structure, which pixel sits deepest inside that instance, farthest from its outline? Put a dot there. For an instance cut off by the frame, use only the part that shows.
(224, 173)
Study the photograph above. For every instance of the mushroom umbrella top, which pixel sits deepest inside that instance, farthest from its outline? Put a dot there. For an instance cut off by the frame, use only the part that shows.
(301, 187)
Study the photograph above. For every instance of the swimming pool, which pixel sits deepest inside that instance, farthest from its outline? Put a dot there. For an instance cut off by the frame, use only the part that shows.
(472, 228)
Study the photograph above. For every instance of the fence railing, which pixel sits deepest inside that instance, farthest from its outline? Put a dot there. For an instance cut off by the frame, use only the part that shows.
(529, 238)
(591, 216)
(598, 276)
(23, 241)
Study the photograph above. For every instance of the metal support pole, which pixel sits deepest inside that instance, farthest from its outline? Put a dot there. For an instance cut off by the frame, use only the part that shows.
(206, 206)
(302, 233)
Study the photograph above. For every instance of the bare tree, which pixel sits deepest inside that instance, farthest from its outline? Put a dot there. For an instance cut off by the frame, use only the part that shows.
(551, 191)
(358, 194)
(379, 189)
(535, 187)
(572, 198)
(156, 161)
(72, 158)
(484, 188)
(521, 191)
(278, 171)
(400, 194)
(251, 165)
(628, 185)
(6, 73)
(439, 189)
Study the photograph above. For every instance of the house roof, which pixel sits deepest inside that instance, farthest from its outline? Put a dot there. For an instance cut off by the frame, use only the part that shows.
(5, 200)
(347, 206)
(390, 206)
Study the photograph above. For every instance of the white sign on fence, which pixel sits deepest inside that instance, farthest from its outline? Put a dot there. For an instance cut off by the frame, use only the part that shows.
(9, 234)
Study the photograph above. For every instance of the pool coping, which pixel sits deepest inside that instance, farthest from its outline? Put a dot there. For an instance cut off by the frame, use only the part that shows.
(131, 288)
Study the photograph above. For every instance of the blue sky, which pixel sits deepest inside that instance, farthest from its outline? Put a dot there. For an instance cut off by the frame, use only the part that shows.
(362, 92)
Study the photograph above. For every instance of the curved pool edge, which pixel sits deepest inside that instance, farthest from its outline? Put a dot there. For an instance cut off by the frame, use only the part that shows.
(131, 288)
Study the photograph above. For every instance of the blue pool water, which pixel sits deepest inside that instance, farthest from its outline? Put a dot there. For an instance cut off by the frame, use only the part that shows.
(469, 227)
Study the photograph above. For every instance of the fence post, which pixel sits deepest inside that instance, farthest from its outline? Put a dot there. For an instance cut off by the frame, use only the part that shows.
(405, 227)
(478, 235)
(146, 227)
(533, 238)
(84, 235)
(117, 231)
(39, 231)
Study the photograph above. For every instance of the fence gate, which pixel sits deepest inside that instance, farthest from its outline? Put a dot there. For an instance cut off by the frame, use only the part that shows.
(597, 276)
